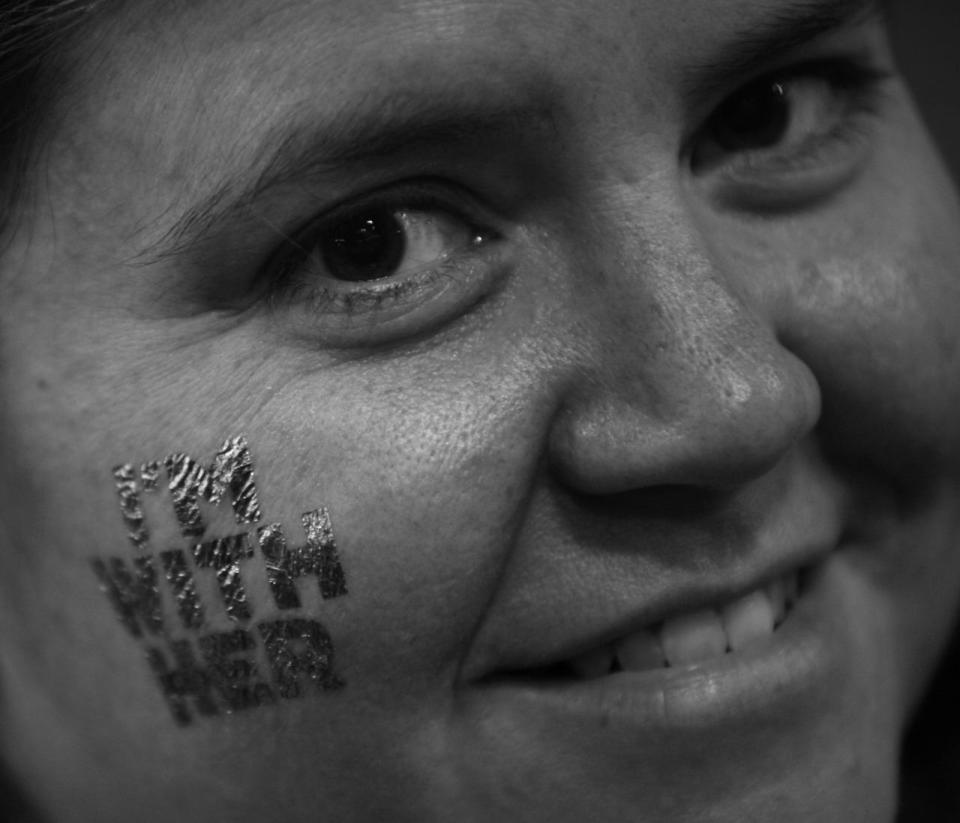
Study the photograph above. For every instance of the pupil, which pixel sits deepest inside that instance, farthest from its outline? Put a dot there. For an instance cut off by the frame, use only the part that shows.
(756, 119)
(365, 247)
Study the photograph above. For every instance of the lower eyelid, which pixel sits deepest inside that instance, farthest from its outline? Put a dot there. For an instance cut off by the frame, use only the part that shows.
(753, 186)
(849, 133)
(323, 300)
(367, 315)
(403, 312)
(764, 182)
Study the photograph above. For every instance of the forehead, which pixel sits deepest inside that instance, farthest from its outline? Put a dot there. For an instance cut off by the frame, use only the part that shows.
(391, 40)
(259, 57)
(201, 89)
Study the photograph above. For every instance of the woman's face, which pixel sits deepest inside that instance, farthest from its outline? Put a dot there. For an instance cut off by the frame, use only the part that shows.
(612, 346)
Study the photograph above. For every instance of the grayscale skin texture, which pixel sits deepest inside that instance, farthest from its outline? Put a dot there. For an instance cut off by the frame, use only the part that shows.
(627, 371)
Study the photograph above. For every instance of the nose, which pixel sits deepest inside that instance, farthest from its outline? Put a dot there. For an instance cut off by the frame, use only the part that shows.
(687, 382)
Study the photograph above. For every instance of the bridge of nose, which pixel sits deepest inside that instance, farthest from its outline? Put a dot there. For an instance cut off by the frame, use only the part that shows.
(687, 382)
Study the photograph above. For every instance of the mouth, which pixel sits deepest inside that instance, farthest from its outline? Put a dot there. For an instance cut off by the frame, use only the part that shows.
(762, 650)
(740, 678)
(697, 691)
(694, 637)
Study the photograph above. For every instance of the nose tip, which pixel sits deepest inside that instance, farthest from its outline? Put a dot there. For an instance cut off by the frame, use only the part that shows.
(713, 415)
(682, 379)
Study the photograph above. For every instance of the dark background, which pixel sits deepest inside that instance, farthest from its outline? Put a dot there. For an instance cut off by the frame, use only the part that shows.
(926, 38)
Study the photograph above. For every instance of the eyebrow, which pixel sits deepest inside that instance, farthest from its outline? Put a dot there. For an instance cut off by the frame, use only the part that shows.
(381, 128)
(781, 30)
(377, 130)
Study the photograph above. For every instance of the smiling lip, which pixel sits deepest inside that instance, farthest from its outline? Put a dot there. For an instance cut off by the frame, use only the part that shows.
(548, 650)
(786, 669)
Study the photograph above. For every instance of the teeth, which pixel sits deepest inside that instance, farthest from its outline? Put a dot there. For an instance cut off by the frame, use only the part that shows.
(640, 651)
(595, 663)
(777, 592)
(748, 620)
(696, 637)
(691, 638)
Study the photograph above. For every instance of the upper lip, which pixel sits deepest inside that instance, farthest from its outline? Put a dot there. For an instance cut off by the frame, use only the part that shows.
(537, 650)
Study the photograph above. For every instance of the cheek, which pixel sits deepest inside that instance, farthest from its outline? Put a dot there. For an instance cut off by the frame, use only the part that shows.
(424, 476)
(881, 331)
(425, 479)
(879, 341)
(422, 463)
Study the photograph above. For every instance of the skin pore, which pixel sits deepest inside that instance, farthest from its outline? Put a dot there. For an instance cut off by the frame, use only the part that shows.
(673, 316)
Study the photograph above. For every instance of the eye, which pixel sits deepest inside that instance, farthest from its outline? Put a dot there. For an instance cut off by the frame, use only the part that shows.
(387, 265)
(380, 242)
(782, 121)
(764, 114)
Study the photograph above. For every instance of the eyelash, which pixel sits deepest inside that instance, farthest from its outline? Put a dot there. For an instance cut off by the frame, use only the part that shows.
(292, 283)
(860, 86)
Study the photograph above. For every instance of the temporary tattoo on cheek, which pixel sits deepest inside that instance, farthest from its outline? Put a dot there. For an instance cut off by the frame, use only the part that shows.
(299, 647)
(134, 592)
(184, 680)
(318, 557)
(221, 672)
(224, 555)
(131, 507)
(183, 587)
(232, 471)
(236, 680)
(150, 476)
(228, 678)
(278, 561)
(188, 481)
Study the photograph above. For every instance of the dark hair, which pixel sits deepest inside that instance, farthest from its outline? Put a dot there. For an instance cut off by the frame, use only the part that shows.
(34, 35)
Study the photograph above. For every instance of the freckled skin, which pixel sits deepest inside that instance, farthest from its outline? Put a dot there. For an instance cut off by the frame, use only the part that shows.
(655, 385)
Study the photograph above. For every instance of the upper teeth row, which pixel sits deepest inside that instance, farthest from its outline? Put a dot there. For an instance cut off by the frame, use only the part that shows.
(697, 636)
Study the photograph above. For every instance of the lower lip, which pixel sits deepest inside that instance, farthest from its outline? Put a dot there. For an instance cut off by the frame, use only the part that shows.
(791, 669)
